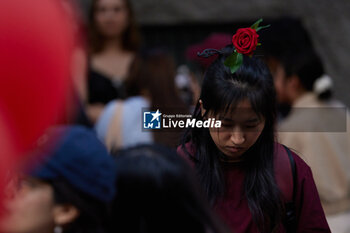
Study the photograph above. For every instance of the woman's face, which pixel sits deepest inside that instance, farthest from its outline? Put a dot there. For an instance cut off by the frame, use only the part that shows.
(29, 207)
(239, 130)
(111, 17)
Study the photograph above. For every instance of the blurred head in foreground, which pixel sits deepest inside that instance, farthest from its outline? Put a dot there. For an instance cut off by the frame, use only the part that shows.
(157, 192)
(67, 187)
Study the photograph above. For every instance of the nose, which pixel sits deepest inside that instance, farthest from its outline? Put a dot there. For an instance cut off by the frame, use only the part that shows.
(237, 137)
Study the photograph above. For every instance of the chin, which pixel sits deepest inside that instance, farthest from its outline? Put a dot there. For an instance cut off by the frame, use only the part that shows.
(234, 156)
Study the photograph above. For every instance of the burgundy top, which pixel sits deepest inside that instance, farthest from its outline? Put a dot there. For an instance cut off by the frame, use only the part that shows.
(234, 209)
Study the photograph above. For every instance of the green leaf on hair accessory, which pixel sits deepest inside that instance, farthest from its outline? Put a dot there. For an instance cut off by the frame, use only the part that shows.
(262, 27)
(257, 27)
(256, 24)
(234, 61)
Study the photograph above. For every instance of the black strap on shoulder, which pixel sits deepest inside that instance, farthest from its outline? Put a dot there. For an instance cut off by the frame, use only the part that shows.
(290, 222)
(292, 164)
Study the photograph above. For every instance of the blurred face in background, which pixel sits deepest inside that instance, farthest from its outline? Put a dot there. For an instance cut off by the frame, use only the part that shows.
(111, 17)
(29, 208)
(281, 83)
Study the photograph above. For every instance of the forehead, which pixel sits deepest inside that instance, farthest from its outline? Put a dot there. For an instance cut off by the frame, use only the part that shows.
(243, 111)
(110, 2)
(18, 178)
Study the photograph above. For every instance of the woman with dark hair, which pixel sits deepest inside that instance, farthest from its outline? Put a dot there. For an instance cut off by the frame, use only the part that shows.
(157, 193)
(151, 86)
(113, 43)
(67, 188)
(254, 183)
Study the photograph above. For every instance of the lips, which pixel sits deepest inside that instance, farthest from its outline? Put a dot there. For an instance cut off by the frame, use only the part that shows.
(234, 149)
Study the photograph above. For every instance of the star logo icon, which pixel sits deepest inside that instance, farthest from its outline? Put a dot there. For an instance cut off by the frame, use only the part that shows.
(156, 115)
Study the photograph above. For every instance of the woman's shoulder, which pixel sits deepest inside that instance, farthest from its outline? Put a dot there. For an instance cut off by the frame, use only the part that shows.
(137, 101)
(302, 168)
(290, 170)
(101, 126)
(281, 151)
(293, 160)
(308, 209)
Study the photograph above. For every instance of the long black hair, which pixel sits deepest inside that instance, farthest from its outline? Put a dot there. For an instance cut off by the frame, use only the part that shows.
(157, 192)
(221, 92)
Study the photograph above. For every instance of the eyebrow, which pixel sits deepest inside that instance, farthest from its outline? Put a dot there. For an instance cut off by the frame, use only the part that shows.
(253, 120)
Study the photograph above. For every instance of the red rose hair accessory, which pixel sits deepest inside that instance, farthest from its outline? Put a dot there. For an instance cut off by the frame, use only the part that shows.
(245, 42)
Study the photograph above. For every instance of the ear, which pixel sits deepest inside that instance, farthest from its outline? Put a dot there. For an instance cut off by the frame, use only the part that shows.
(203, 110)
(64, 214)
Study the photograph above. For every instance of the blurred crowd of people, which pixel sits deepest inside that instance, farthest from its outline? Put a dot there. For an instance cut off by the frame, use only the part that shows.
(102, 172)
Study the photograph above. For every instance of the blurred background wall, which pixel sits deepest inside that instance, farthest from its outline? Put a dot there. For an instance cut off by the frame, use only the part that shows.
(176, 24)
